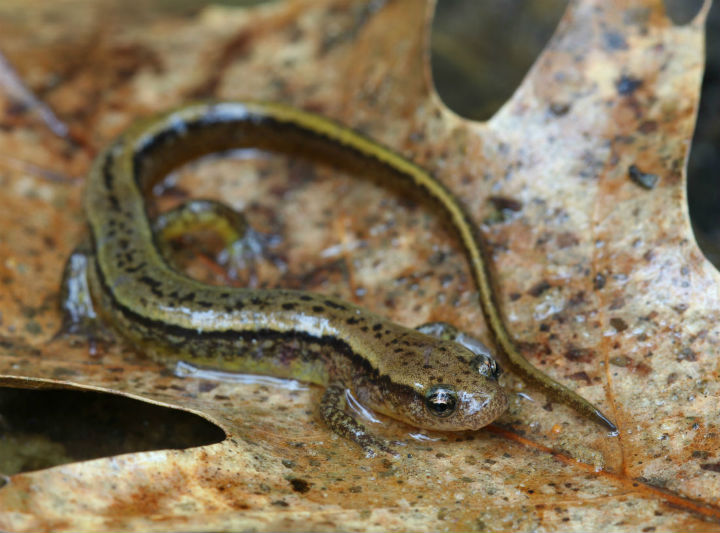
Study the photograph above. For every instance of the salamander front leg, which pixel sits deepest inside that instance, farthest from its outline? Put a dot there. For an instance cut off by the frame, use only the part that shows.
(332, 409)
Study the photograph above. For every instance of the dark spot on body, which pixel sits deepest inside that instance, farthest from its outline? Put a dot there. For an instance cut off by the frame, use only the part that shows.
(352, 321)
(335, 305)
(377, 327)
(189, 297)
(318, 309)
(153, 284)
(136, 268)
(288, 306)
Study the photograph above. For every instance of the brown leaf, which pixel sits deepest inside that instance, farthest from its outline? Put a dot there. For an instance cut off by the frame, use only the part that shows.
(590, 265)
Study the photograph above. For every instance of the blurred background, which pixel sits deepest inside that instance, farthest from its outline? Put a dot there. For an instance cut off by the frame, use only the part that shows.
(481, 51)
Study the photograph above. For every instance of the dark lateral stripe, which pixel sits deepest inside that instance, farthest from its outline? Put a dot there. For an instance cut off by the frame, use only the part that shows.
(202, 122)
(109, 180)
(357, 360)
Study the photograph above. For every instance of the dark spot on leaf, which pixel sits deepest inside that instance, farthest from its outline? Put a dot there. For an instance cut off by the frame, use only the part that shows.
(577, 299)
(619, 324)
(539, 288)
(567, 239)
(617, 303)
(559, 108)
(581, 376)
(584, 355)
(207, 386)
(614, 40)
(643, 369)
(620, 360)
(598, 282)
(627, 85)
(503, 203)
(300, 485)
(687, 354)
(644, 179)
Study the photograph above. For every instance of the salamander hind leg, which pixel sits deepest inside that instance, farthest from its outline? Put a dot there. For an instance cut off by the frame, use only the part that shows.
(242, 244)
(332, 409)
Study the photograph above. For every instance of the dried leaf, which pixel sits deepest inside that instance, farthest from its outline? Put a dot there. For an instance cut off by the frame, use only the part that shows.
(600, 279)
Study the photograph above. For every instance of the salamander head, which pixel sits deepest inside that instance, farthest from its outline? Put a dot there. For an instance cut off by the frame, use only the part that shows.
(445, 387)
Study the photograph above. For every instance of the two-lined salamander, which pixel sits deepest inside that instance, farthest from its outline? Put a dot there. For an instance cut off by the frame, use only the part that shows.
(417, 376)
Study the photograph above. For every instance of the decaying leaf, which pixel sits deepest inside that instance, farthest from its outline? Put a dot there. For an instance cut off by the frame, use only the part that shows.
(597, 270)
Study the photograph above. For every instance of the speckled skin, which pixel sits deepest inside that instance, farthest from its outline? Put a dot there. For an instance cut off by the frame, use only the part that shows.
(307, 336)
(389, 368)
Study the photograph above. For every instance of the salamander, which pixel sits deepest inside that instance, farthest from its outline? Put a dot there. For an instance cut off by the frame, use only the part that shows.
(431, 377)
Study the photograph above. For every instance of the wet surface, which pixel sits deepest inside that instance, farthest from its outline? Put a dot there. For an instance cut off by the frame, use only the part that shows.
(599, 279)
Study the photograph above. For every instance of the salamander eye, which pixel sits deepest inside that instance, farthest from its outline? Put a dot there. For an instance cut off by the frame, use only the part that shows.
(441, 400)
(487, 366)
